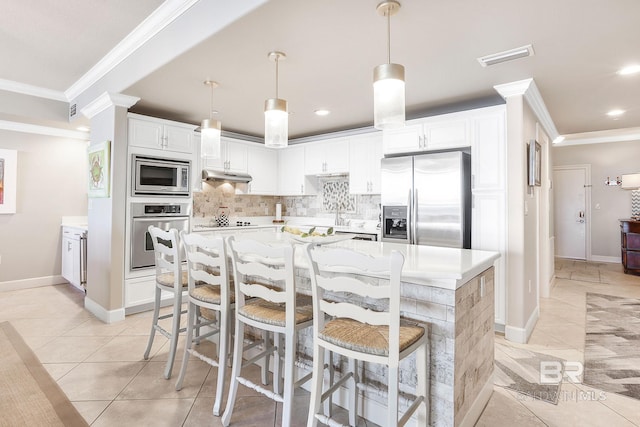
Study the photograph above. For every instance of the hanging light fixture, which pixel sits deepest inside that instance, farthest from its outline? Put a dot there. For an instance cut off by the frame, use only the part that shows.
(210, 130)
(276, 117)
(388, 81)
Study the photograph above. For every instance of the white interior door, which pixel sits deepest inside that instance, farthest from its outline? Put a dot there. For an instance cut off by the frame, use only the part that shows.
(570, 213)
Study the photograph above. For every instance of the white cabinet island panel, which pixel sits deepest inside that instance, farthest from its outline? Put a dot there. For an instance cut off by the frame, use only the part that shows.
(450, 292)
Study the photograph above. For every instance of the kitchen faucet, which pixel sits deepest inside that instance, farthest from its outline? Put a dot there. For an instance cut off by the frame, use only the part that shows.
(339, 220)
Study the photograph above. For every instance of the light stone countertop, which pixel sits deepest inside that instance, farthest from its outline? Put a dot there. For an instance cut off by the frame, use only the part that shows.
(446, 268)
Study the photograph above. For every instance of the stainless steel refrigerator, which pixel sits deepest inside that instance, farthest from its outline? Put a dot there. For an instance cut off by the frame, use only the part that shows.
(426, 199)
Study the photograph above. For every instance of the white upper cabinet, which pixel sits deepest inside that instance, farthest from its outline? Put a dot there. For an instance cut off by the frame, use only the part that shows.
(430, 133)
(159, 134)
(325, 157)
(233, 157)
(262, 165)
(488, 149)
(291, 181)
(365, 154)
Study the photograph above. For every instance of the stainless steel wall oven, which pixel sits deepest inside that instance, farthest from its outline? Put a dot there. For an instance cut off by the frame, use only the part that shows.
(165, 216)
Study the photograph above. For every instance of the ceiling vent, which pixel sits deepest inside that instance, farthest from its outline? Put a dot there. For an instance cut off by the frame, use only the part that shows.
(507, 55)
(73, 110)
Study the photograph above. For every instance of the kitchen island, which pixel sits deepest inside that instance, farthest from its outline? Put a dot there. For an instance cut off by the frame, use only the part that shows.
(449, 291)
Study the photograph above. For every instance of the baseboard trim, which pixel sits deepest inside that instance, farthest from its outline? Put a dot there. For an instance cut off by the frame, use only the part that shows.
(478, 405)
(107, 316)
(609, 259)
(521, 335)
(34, 282)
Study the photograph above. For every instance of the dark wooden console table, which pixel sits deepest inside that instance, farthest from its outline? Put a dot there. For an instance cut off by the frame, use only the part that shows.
(630, 245)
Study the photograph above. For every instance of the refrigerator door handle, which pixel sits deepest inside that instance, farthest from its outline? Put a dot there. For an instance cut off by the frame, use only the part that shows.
(414, 218)
(409, 219)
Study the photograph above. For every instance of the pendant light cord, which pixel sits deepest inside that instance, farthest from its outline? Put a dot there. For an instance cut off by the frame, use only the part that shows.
(277, 77)
(211, 104)
(388, 36)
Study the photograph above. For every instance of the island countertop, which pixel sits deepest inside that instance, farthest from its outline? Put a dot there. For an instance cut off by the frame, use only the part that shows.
(447, 268)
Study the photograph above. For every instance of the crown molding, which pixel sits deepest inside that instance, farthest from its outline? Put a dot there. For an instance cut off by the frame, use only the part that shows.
(107, 100)
(529, 90)
(599, 137)
(43, 130)
(26, 89)
(152, 25)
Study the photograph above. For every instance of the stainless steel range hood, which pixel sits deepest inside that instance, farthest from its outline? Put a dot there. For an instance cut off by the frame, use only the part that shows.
(217, 175)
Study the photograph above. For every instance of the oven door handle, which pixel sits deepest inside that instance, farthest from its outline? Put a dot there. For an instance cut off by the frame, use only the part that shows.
(159, 218)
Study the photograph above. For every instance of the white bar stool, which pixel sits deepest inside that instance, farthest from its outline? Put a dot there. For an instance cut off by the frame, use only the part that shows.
(209, 292)
(169, 278)
(363, 334)
(266, 274)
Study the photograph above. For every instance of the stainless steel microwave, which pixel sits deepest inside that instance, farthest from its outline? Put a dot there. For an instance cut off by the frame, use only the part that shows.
(160, 177)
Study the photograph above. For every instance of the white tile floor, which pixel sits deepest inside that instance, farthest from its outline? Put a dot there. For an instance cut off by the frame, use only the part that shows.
(100, 367)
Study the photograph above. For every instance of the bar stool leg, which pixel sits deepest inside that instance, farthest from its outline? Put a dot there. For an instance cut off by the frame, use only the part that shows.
(175, 333)
(156, 314)
(392, 404)
(353, 392)
(422, 387)
(265, 362)
(187, 345)
(235, 372)
(316, 385)
(278, 342)
(328, 403)
(289, 366)
(223, 338)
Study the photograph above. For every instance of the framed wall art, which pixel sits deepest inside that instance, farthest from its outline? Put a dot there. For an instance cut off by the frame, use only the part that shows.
(534, 160)
(8, 181)
(99, 169)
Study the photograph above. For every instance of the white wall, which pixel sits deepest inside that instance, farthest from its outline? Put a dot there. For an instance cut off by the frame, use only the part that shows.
(51, 184)
(528, 222)
(606, 160)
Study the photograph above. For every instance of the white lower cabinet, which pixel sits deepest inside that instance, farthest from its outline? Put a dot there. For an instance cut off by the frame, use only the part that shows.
(73, 267)
(365, 154)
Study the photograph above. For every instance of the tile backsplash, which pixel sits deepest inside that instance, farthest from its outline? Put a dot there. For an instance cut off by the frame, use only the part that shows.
(219, 197)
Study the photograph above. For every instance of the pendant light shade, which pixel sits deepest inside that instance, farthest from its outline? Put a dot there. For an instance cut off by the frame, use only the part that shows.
(276, 115)
(276, 123)
(210, 131)
(388, 82)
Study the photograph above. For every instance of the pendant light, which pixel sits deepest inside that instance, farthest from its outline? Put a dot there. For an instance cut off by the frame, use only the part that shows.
(276, 116)
(210, 130)
(388, 81)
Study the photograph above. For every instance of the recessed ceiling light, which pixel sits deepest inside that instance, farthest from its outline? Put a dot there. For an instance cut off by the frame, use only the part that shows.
(507, 55)
(322, 112)
(615, 113)
(631, 69)
(558, 139)
(83, 129)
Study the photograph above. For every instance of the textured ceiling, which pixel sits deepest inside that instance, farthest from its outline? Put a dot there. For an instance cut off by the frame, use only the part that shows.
(332, 48)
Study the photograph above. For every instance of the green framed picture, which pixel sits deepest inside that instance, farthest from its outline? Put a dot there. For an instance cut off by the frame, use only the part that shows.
(99, 169)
